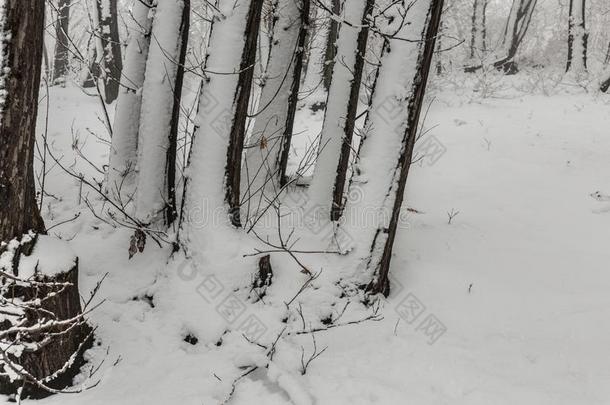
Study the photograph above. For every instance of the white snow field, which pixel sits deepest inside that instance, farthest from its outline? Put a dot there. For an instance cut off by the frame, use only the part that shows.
(507, 304)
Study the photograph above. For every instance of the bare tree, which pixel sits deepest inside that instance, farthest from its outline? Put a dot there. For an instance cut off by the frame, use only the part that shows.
(387, 147)
(331, 44)
(267, 152)
(577, 38)
(62, 41)
(21, 64)
(516, 27)
(160, 112)
(120, 182)
(328, 184)
(213, 183)
(109, 51)
(478, 38)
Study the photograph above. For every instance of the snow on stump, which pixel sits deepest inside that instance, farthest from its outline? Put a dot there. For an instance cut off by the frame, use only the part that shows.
(43, 332)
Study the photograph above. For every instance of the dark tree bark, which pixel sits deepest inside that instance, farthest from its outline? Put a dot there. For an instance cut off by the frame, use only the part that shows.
(387, 148)
(111, 62)
(331, 45)
(294, 92)
(516, 27)
(478, 44)
(21, 64)
(62, 44)
(54, 356)
(578, 37)
(171, 212)
(350, 118)
(242, 99)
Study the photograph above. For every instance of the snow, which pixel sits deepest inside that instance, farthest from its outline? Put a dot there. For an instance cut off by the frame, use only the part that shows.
(49, 257)
(532, 328)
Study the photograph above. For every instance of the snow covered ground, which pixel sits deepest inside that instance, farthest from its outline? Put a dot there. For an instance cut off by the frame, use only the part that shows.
(507, 304)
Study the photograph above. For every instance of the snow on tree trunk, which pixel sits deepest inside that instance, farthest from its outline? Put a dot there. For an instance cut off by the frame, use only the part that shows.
(213, 183)
(120, 182)
(327, 187)
(386, 151)
(478, 46)
(269, 144)
(161, 96)
(577, 38)
(21, 42)
(331, 44)
(313, 80)
(62, 42)
(110, 57)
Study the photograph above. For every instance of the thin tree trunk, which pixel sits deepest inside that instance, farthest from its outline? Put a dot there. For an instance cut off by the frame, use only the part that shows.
(111, 62)
(120, 182)
(328, 184)
(386, 151)
(161, 97)
(516, 27)
(62, 44)
(478, 47)
(331, 45)
(269, 144)
(22, 24)
(577, 38)
(213, 184)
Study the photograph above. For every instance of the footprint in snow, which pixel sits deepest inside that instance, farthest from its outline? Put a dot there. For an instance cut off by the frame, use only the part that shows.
(599, 196)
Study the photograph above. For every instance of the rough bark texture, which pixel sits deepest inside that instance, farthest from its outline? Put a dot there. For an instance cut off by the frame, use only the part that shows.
(578, 37)
(21, 63)
(478, 45)
(62, 43)
(331, 45)
(64, 303)
(242, 98)
(111, 61)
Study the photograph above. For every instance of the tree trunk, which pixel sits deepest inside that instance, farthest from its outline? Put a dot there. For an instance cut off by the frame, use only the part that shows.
(22, 25)
(51, 357)
(577, 38)
(62, 42)
(269, 145)
(386, 151)
(213, 184)
(331, 45)
(328, 184)
(120, 183)
(478, 46)
(317, 44)
(161, 98)
(111, 62)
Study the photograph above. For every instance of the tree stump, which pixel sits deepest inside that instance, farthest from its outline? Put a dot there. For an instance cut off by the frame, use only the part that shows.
(41, 290)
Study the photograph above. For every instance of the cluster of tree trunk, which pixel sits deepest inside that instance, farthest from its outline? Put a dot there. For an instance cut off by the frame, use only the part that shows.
(518, 23)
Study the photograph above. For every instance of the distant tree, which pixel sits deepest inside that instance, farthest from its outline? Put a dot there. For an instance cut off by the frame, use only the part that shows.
(109, 50)
(62, 41)
(577, 37)
(518, 23)
(478, 38)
